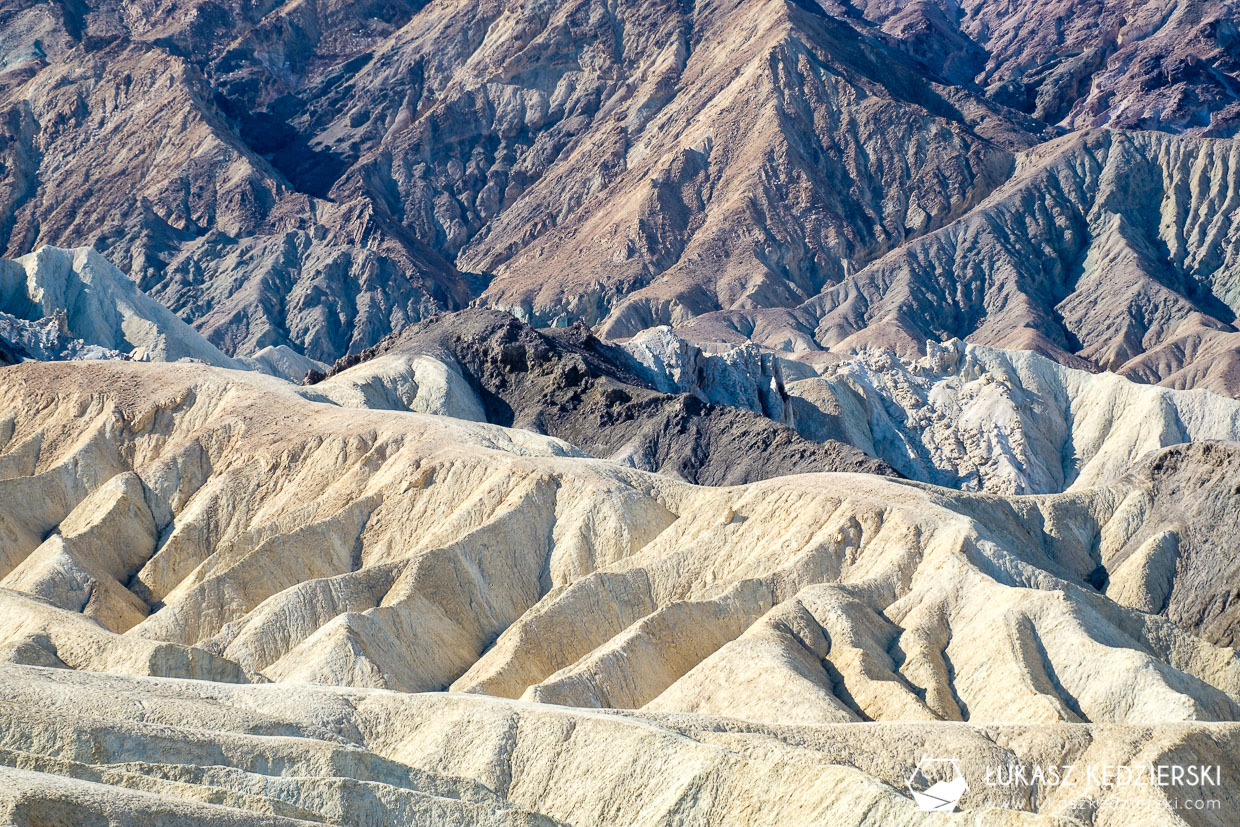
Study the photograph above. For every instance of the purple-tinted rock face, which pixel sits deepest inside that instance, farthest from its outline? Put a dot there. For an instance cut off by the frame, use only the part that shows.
(321, 174)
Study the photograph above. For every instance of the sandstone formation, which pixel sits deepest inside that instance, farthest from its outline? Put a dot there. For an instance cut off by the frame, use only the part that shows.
(146, 533)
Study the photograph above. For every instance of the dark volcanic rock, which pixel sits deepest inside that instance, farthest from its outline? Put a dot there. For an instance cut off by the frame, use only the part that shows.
(568, 384)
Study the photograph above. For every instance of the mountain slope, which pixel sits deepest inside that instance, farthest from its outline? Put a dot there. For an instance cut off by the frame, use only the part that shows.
(329, 173)
(403, 551)
(1169, 65)
(1108, 249)
(330, 196)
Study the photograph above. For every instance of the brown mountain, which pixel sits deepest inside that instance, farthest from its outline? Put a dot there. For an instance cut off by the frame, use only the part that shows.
(1167, 64)
(323, 173)
(1109, 250)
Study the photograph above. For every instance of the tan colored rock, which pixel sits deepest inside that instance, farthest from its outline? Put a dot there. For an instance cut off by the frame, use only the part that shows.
(413, 552)
(787, 649)
(160, 749)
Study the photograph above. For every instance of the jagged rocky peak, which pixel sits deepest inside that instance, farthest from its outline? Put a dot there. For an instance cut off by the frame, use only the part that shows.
(488, 366)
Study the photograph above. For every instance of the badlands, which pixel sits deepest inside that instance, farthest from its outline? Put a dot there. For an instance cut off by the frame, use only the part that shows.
(619, 412)
(228, 601)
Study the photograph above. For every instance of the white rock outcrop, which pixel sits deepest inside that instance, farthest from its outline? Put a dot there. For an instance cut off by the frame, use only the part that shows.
(100, 306)
(1010, 422)
(963, 416)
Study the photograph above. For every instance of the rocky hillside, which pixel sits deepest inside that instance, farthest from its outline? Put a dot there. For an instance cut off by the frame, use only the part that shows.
(72, 300)
(975, 418)
(72, 304)
(1105, 250)
(329, 172)
(181, 521)
(489, 367)
(1166, 65)
(963, 416)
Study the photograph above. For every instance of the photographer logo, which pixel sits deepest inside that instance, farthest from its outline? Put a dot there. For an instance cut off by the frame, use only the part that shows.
(937, 784)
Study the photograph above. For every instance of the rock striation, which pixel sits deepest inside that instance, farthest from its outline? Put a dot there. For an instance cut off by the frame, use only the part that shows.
(147, 536)
(1105, 250)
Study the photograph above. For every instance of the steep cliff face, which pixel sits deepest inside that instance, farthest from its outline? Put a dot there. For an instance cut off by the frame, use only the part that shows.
(776, 150)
